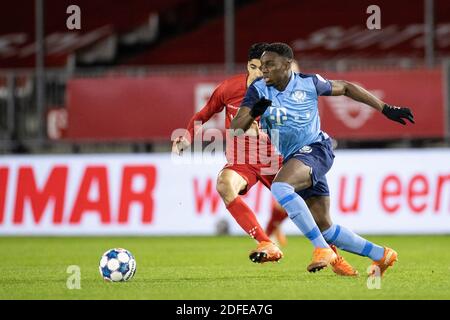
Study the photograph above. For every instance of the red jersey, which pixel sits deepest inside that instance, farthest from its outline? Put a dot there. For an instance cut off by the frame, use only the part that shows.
(229, 95)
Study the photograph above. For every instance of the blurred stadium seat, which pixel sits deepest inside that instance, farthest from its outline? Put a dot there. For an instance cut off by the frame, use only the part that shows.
(101, 20)
(338, 33)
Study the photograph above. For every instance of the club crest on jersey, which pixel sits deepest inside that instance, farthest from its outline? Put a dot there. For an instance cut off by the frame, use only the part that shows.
(299, 95)
(305, 149)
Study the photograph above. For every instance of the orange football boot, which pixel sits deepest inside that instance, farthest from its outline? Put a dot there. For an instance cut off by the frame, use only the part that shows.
(389, 257)
(342, 267)
(322, 257)
(265, 252)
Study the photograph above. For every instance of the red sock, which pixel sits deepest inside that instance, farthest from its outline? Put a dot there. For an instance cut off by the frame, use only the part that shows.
(278, 215)
(245, 217)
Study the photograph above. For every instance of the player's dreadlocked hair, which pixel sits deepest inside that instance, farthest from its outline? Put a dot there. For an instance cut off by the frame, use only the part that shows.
(256, 50)
(282, 49)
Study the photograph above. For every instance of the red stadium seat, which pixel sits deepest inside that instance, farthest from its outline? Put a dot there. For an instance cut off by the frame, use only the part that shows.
(338, 32)
(99, 19)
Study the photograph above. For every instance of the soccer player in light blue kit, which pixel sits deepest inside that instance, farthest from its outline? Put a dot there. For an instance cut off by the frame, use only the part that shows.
(287, 104)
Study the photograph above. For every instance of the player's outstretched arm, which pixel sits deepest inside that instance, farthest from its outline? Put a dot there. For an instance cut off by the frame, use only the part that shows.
(243, 120)
(246, 115)
(183, 142)
(180, 144)
(214, 105)
(357, 93)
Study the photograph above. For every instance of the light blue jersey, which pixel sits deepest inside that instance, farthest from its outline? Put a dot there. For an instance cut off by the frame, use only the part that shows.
(295, 115)
(294, 112)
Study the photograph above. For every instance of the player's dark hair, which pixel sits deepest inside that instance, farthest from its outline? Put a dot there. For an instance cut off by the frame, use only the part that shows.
(282, 49)
(256, 50)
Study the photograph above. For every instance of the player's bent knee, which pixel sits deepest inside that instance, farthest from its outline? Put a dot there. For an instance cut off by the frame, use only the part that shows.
(226, 190)
(296, 174)
(223, 187)
(281, 190)
(283, 193)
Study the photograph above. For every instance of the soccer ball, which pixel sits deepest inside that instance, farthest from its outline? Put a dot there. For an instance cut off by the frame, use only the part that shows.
(117, 265)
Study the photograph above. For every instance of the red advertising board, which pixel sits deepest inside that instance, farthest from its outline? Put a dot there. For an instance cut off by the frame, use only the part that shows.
(133, 108)
(151, 108)
(420, 90)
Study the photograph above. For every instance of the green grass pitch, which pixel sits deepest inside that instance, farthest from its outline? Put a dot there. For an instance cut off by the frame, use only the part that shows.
(215, 268)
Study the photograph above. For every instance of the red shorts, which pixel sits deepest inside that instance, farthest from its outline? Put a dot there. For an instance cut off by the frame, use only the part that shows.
(252, 173)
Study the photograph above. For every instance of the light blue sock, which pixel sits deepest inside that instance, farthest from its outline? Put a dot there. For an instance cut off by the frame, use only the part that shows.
(299, 213)
(347, 240)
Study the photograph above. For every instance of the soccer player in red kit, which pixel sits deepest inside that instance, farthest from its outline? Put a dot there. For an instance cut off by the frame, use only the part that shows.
(261, 162)
(239, 175)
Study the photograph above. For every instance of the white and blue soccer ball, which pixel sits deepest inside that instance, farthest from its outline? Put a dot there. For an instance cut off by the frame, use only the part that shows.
(117, 265)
